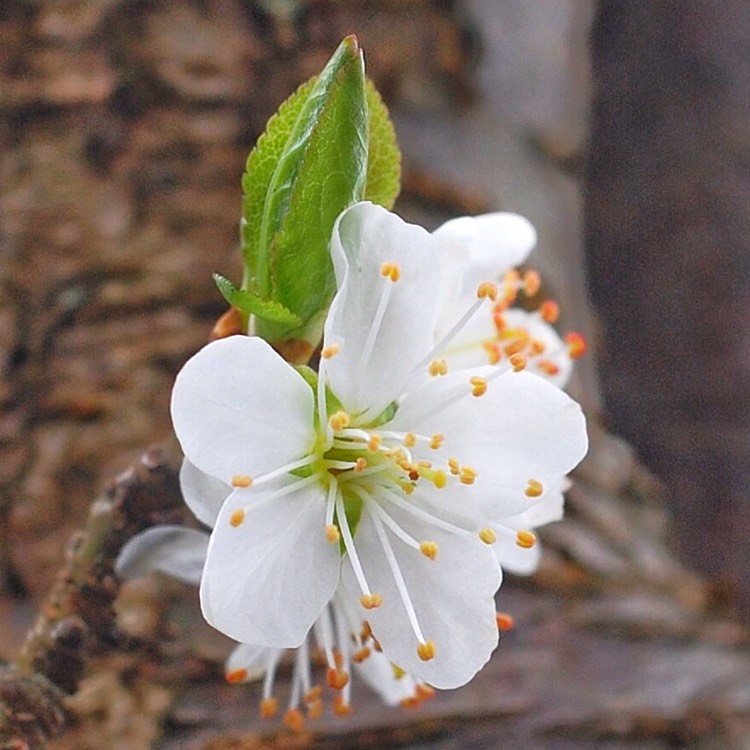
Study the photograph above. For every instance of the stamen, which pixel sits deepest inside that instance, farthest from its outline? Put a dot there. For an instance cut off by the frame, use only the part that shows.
(237, 517)
(360, 465)
(505, 622)
(359, 656)
(242, 481)
(453, 466)
(550, 311)
(412, 509)
(547, 367)
(370, 601)
(315, 709)
(487, 290)
(535, 488)
(576, 344)
(391, 270)
(440, 479)
(525, 539)
(493, 352)
(313, 694)
(410, 440)
(518, 362)
(425, 692)
(336, 679)
(236, 676)
(429, 549)
(330, 351)
(374, 443)
(426, 650)
(294, 720)
(478, 386)
(339, 421)
(467, 475)
(268, 708)
(487, 536)
(532, 283)
(353, 556)
(332, 533)
(341, 707)
(437, 367)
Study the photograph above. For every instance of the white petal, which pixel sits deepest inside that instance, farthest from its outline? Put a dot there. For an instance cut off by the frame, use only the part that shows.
(253, 659)
(512, 558)
(267, 579)
(174, 550)
(364, 238)
(239, 408)
(482, 248)
(203, 494)
(378, 673)
(522, 428)
(453, 596)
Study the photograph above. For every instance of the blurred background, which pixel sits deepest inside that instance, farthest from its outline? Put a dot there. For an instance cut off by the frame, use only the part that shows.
(621, 128)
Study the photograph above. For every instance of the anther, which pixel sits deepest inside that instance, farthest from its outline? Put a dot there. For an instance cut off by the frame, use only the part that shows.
(391, 271)
(294, 720)
(329, 351)
(235, 676)
(336, 679)
(374, 443)
(237, 517)
(410, 440)
(478, 386)
(313, 694)
(550, 311)
(487, 290)
(398, 672)
(360, 465)
(487, 536)
(498, 319)
(436, 441)
(453, 466)
(576, 344)
(505, 622)
(429, 549)
(440, 479)
(547, 367)
(467, 475)
(242, 481)
(359, 656)
(315, 709)
(535, 488)
(268, 708)
(340, 706)
(366, 632)
(518, 362)
(525, 539)
(426, 650)
(493, 352)
(437, 367)
(332, 533)
(410, 702)
(425, 692)
(339, 420)
(532, 282)
(370, 601)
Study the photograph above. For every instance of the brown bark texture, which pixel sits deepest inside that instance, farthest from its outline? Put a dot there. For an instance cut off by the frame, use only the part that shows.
(124, 127)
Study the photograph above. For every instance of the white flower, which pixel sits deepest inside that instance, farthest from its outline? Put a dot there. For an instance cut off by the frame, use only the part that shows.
(369, 483)
(490, 246)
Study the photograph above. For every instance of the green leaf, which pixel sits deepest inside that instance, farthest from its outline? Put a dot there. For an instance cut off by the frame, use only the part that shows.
(384, 158)
(250, 304)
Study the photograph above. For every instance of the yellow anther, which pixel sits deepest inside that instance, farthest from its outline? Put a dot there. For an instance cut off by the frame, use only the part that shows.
(467, 475)
(493, 352)
(359, 656)
(407, 488)
(237, 517)
(329, 351)
(437, 367)
(532, 283)
(487, 536)
(294, 720)
(339, 420)
(518, 362)
(268, 708)
(332, 533)
(391, 271)
(549, 310)
(336, 679)
(424, 464)
(487, 290)
(235, 676)
(525, 539)
(535, 488)
(576, 344)
(360, 465)
(315, 709)
(374, 443)
(340, 706)
(440, 479)
(537, 347)
(242, 481)
(410, 440)
(370, 601)
(429, 549)
(453, 466)
(426, 650)
(504, 621)
(478, 386)
(398, 672)
(436, 441)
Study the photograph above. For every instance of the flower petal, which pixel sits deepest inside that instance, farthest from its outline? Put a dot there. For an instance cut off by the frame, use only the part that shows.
(379, 350)
(522, 428)
(481, 248)
(452, 595)
(254, 660)
(203, 494)
(239, 408)
(393, 686)
(174, 550)
(270, 570)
